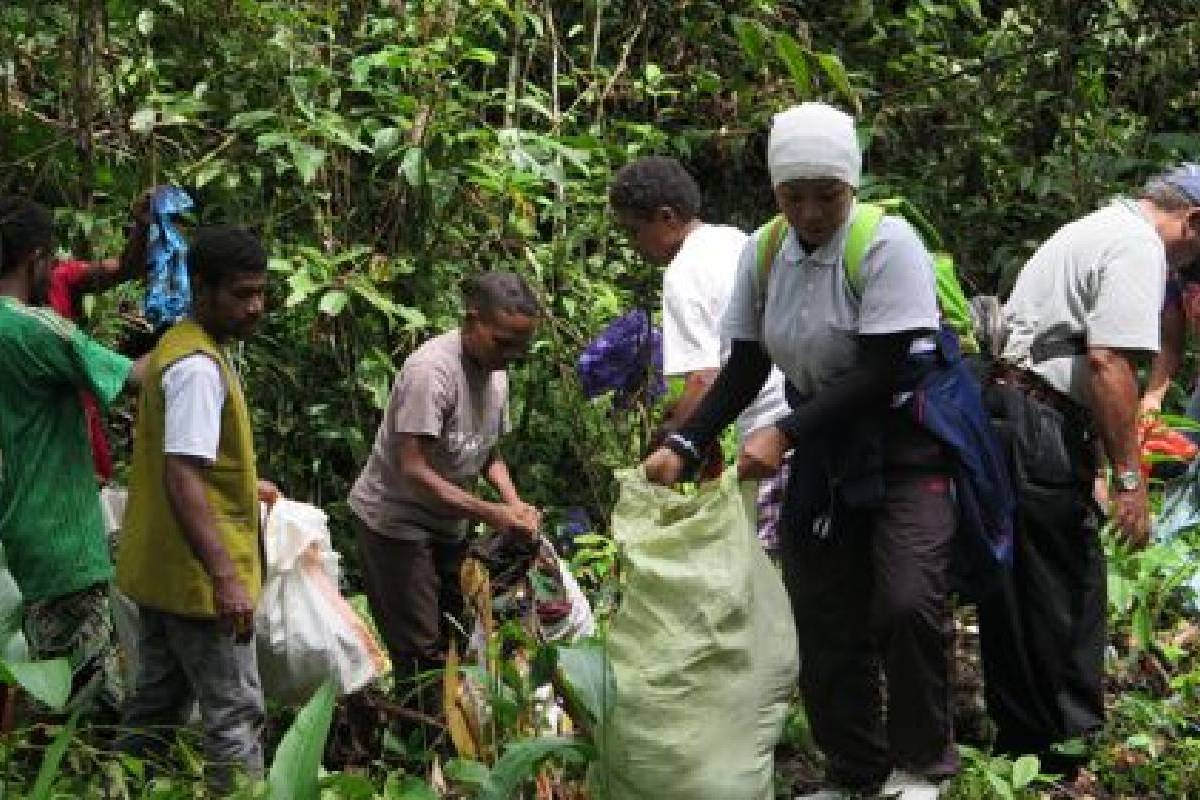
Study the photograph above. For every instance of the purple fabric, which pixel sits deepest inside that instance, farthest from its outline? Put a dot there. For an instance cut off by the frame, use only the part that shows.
(626, 359)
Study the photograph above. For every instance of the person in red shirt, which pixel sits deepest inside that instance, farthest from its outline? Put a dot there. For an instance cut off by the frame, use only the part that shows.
(69, 281)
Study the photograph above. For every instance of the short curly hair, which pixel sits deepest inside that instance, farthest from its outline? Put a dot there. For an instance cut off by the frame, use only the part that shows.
(497, 290)
(652, 182)
(220, 251)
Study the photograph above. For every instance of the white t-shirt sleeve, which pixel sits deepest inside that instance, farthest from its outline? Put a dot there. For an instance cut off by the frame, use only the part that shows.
(1125, 313)
(899, 287)
(194, 394)
(691, 325)
(743, 319)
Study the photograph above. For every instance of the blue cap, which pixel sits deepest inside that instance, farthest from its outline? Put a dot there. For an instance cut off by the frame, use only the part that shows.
(1185, 178)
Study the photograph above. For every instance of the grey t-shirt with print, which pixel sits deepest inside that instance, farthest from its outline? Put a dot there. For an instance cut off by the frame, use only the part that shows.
(812, 319)
(442, 394)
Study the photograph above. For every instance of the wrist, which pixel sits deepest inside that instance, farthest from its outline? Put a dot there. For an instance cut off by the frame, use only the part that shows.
(492, 514)
(683, 447)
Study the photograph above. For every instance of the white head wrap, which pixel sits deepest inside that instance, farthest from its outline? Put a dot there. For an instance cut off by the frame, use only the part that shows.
(813, 140)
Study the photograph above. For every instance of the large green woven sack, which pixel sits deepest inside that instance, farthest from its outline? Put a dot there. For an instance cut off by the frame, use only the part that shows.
(703, 649)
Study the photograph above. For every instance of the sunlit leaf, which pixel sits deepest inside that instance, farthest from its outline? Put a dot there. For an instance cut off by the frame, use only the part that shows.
(47, 681)
(1025, 769)
(307, 159)
(793, 58)
(294, 772)
(332, 302)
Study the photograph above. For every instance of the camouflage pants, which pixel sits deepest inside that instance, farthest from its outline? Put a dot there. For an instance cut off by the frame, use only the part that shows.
(79, 628)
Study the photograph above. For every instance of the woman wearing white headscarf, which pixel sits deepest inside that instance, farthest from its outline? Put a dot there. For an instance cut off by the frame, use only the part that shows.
(869, 514)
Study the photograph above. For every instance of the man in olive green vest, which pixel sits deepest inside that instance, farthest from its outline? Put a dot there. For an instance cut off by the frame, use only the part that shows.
(189, 553)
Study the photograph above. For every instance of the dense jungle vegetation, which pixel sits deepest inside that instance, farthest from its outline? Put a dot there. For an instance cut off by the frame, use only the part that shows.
(386, 148)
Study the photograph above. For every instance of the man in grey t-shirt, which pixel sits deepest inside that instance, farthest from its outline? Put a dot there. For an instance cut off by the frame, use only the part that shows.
(1085, 307)
(413, 500)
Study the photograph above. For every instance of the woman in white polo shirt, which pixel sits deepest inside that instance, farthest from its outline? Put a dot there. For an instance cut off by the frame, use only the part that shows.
(869, 514)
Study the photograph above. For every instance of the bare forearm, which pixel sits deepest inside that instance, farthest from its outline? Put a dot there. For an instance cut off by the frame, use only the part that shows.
(450, 495)
(1168, 359)
(1115, 405)
(185, 492)
(695, 386)
(498, 476)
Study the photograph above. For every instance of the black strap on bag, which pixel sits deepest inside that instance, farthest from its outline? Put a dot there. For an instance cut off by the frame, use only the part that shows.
(1055, 345)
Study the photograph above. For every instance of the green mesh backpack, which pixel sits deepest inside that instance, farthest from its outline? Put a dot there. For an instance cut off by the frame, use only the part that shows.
(956, 310)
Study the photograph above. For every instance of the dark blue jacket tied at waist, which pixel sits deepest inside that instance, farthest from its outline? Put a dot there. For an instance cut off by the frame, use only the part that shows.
(945, 400)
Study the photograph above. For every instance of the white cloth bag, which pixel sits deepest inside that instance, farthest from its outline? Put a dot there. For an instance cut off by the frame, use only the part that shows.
(306, 631)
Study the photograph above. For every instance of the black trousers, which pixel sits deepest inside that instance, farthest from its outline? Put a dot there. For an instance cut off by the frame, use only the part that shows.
(1042, 633)
(413, 590)
(869, 592)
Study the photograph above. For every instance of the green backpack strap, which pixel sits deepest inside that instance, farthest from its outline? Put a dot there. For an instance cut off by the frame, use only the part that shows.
(867, 217)
(952, 301)
(770, 241)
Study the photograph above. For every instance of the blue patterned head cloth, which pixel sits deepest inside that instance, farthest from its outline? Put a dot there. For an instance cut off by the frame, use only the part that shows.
(168, 293)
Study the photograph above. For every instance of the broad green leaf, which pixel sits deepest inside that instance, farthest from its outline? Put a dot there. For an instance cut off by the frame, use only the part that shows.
(302, 285)
(250, 119)
(385, 140)
(293, 774)
(482, 55)
(588, 678)
(307, 159)
(1025, 769)
(413, 166)
(750, 36)
(332, 302)
(1140, 741)
(205, 174)
(1001, 787)
(520, 761)
(836, 72)
(793, 57)
(44, 785)
(47, 681)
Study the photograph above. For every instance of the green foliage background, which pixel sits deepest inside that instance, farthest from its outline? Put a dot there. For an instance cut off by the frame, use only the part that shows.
(387, 148)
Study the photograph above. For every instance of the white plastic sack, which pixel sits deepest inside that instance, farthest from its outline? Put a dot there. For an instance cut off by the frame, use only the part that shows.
(580, 623)
(306, 631)
(126, 620)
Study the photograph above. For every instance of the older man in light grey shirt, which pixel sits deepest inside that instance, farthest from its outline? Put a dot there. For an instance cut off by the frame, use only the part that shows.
(1084, 308)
